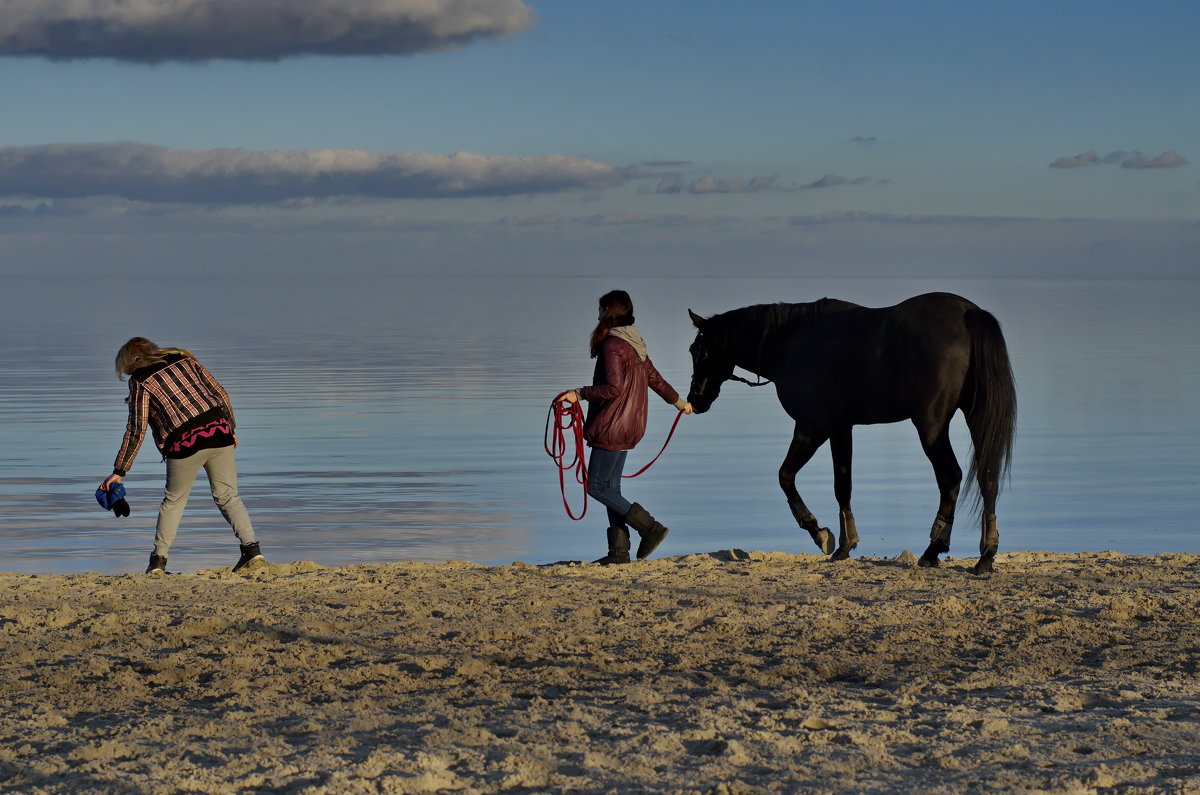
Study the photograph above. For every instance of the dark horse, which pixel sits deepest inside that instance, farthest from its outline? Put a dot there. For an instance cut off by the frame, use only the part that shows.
(836, 365)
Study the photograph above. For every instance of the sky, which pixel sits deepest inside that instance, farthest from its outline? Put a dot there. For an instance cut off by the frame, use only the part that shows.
(660, 137)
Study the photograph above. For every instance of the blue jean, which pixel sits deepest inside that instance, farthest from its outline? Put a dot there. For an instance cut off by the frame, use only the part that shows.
(604, 483)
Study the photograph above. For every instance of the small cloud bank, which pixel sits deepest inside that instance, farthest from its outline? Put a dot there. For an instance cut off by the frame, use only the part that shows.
(153, 31)
(1134, 159)
(73, 237)
(140, 172)
(1078, 161)
(676, 183)
(732, 185)
(653, 220)
(833, 180)
(916, 219)
(1165, 160)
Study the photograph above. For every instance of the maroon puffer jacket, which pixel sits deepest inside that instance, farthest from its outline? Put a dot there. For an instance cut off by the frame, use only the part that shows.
(617, 403)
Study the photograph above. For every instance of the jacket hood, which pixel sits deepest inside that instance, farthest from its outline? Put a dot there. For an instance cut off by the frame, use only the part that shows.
(631, 335)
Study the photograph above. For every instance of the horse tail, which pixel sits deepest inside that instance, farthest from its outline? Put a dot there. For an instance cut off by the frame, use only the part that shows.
(991, 405)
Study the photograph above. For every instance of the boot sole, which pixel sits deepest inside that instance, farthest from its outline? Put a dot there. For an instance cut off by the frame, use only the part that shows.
(254, 562)
(646, 549)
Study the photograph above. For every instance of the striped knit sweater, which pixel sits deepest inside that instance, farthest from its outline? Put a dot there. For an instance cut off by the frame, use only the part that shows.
(168, 396)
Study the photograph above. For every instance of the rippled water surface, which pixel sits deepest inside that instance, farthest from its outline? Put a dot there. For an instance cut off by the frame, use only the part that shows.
(391, 418)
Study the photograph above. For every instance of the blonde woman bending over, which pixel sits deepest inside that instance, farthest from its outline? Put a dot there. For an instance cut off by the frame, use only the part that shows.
(192, 421)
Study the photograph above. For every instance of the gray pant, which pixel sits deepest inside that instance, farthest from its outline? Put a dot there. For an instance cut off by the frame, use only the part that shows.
(222, 479)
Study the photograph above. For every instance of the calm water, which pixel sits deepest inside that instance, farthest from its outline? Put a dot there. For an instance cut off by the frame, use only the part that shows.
(393, 418)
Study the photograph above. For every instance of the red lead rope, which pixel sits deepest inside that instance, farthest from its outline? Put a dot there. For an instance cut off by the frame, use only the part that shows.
(563, 417)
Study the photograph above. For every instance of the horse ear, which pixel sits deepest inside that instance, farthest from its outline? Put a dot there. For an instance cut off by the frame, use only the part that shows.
(696, 319)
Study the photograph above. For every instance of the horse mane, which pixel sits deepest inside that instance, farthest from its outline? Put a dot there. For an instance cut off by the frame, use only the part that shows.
(764, 319)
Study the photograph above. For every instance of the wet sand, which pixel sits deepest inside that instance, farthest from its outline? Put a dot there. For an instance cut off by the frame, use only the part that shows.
(728, 672)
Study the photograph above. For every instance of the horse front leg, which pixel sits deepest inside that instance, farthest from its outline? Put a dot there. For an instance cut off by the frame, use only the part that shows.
(801, 450)
(841, 446)
(949, 477)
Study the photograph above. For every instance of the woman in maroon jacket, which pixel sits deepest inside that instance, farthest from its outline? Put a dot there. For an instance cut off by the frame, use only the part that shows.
(192, 421)
(616, 422)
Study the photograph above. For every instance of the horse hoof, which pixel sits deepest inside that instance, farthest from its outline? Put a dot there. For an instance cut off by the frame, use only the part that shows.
(927, 563)
(983, 567)
(841, 554)
(824, 540)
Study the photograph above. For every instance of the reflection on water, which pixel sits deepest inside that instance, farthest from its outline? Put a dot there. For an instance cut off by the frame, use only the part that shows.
(389, 418)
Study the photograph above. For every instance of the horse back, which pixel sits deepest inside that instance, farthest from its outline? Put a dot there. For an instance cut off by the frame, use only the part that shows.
(863, 365)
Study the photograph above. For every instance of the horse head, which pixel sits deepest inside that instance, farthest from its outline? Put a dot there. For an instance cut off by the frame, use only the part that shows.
(711, 367)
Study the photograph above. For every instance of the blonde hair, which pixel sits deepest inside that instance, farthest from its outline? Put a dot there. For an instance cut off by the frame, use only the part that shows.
(140, 352)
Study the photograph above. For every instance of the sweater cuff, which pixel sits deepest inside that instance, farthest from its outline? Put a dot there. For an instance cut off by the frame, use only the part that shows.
(119, 472)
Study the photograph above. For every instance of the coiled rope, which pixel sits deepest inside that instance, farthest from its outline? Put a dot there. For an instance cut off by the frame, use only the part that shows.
(566, 419)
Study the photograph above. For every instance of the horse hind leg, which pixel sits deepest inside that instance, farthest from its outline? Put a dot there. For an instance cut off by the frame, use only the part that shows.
(798, 454)
(989, 542)
(841, 447)
(989, 537)
(949, 478)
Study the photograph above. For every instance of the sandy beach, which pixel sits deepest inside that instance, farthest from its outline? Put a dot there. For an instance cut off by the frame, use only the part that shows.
(726, 672)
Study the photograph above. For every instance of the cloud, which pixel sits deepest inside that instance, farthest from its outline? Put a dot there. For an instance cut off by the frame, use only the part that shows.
(827, 181)
(864, 139)
(152, 31)
(833, 180)
(916, 219)
(731, 185)
(1133, 159)
(1165, 160)
(666, 163)
(41, 209)
(279, 242)
(675, 183)
(1085, 159)
(655, 220)
(21, 210)
(140, 172)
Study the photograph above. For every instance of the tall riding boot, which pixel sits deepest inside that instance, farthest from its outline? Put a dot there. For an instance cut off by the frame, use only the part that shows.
(618, 547)
(651, 530)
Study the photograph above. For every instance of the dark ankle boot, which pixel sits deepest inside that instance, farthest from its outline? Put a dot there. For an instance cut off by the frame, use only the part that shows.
(250, 554)
(618, 547)
(650, 529)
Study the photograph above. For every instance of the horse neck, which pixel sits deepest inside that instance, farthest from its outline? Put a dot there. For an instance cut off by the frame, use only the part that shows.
(753, 332)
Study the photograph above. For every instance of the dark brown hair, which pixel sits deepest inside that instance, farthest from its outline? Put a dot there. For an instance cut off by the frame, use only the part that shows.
(616, 309)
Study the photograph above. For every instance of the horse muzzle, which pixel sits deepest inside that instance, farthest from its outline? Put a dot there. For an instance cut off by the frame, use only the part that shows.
(700, 403)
